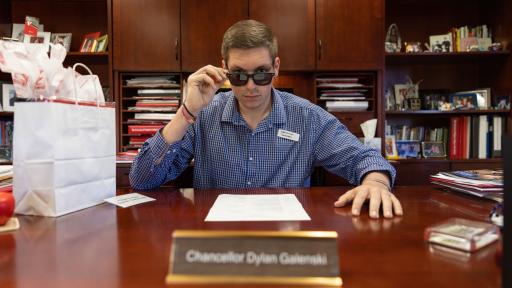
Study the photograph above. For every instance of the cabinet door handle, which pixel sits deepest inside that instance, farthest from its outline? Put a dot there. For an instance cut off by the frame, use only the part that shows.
(176, 48)
(319, 49)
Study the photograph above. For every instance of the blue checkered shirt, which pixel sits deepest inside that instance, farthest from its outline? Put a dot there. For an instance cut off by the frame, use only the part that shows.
(228, 154)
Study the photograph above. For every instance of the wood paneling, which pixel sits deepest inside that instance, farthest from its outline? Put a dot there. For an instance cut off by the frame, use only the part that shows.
(349, 34)
(146, 35)
(293, 24)
(203, 23)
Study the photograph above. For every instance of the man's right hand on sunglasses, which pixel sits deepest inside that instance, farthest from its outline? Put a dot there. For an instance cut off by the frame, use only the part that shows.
(201, 87)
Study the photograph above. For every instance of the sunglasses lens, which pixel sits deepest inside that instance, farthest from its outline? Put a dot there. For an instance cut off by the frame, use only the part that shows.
(238, 79)
(262, 78)
(259, 78)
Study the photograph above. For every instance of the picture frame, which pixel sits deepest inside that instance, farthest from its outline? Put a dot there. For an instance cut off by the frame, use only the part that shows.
(433, 149)
(88, 42)
(408, 149)
(390, 146)
(62, 38)
(41, 38)
(8, 97)
(483, 97)
(441, 43)
(102, 43)
(466, 101)
(406, 91)
(502, 102)
(17, 31)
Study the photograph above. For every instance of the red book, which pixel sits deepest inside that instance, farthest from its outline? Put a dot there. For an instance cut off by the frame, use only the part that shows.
(134, 140)
(143, 129)
(463, 135)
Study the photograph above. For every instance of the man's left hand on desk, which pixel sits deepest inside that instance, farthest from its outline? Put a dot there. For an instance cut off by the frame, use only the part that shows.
(377, 195)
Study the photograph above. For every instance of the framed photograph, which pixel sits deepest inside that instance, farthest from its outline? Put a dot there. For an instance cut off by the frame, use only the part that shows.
(8, 97)
(390, 146)
(483, 97)
(102, 43)
(17, 31)
(408, 149)
(502, 102)
(406, 91)
(62, 38)
(441, 43)
(466, 101)
(433, 149)
(88, 42)
(41, 38)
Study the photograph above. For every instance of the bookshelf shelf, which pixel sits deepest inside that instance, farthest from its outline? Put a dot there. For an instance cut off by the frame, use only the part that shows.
(421, 113)
(128, 120)
(6, 114)
(439, 58)
(446, 160)
(87, 54)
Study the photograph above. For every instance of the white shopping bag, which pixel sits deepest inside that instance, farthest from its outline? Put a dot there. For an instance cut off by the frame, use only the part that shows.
(63, 156)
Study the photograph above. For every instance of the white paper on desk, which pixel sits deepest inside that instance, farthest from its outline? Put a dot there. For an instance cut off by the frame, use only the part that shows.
(277, 207)
(128, 200)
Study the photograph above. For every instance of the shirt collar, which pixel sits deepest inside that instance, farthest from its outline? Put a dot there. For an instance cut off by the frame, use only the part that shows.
(277, 114)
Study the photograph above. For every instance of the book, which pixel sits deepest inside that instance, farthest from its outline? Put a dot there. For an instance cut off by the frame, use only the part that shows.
(143, 129)
(154, 116)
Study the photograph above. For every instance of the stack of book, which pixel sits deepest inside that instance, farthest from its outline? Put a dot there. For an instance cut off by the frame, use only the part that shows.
(343, 93)
(153, 81)
(483, 183)
(476, 136)
(5, 178)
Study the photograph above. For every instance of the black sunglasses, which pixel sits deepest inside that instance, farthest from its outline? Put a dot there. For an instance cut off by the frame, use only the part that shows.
(241, 78)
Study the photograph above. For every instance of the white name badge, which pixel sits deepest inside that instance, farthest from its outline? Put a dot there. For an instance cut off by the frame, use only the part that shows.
(288, 135)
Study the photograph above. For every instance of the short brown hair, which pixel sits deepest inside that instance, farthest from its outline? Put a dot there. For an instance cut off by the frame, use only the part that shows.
(248, 34)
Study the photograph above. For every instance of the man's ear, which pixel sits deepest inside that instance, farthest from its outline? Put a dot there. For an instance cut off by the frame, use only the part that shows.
(224, 66)
(277, 62)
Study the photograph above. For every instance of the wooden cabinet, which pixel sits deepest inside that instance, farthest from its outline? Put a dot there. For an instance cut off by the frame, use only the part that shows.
(203, 23)
(442, 74)
(350, 34)
(293, 23)
(146, 35)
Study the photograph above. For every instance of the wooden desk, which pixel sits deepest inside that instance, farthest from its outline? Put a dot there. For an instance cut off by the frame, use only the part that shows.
(105, 246)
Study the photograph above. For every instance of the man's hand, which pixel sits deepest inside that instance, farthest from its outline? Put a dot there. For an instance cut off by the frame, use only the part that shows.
(202, 85)
(377, 193)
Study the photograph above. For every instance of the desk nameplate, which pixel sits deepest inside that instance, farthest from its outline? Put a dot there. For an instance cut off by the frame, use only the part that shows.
(254, 257)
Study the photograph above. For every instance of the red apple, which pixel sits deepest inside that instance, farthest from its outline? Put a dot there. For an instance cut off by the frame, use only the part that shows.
(6, 207)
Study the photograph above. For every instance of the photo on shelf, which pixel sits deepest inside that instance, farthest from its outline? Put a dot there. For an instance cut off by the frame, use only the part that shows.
(441, 43)
(464, 101)
(8, 97)
(390, 146)
(433, 99)
(408, 149)
(433, 149)
(17, 31)
(41, 38)
(102, 43)
(62, 38)
(406, 91)
(502, 102)
(89, 42)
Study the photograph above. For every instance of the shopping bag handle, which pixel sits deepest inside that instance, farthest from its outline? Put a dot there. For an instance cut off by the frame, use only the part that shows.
(74, 83)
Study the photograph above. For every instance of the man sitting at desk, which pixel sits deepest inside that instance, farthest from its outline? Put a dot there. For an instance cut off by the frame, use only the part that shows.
(257, 136)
